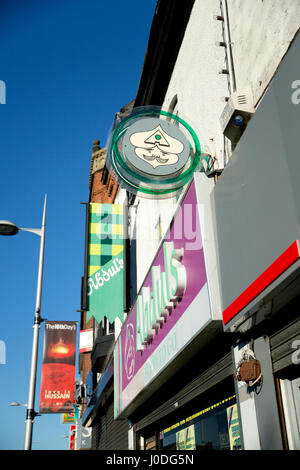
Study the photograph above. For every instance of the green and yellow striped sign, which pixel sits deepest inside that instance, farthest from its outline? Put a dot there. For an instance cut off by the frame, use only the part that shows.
(105, 295)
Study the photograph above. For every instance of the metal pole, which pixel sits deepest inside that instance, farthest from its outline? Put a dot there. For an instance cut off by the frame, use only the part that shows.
(232, 82)
(35, 343)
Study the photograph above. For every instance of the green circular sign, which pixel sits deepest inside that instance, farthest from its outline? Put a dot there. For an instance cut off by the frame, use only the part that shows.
(150, 154)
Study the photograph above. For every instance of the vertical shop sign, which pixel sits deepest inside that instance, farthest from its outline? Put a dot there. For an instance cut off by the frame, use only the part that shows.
(233, 428)
(83, 437)
(72, 437)
(71, 417)
(105, 290)
(58, 369)
(86, 340)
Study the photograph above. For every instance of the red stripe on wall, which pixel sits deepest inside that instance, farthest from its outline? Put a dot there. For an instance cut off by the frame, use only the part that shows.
(285, 260)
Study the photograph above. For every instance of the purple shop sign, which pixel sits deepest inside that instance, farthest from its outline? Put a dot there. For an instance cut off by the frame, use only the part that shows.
(135, 367)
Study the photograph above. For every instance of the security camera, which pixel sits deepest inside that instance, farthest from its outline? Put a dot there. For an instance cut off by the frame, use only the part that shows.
(236, 115)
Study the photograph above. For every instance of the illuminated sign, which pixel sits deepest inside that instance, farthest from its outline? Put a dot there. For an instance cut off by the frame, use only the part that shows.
(153, 152)
(155, 147)
(171, 309)
(156, 304)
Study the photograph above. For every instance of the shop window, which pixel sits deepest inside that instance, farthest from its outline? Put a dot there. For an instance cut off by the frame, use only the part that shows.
(150, 443)
(103, 328)
(111, 328)
(214, 428)
(290, 399)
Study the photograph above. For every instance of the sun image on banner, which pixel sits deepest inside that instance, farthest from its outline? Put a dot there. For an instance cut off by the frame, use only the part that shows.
(105, 286)
(58, 369)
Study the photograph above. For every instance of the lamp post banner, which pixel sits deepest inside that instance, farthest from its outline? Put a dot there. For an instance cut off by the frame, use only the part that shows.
(58, 369)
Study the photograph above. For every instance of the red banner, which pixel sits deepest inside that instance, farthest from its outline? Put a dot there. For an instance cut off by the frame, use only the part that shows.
(58, 369)
(72, 437)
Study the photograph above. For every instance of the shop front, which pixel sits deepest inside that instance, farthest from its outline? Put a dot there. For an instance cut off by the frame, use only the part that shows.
(214, 428)
(172, 361)
(224, 289)
(98, 418)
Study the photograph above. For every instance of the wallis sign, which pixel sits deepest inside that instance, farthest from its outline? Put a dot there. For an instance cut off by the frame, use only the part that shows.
(156, 304)
(171, 308)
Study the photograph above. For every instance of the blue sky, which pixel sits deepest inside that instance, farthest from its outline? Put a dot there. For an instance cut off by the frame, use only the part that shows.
(68, 66)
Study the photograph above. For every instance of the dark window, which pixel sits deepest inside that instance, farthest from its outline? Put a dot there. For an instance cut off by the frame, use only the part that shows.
(214, 429)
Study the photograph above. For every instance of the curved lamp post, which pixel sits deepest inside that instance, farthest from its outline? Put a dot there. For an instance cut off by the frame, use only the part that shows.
(8, 228)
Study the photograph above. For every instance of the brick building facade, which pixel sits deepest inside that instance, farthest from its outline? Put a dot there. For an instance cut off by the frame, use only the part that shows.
(103, 189)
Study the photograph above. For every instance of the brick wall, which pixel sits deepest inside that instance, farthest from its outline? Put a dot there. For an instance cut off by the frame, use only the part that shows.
(104, 193)
(100, 193)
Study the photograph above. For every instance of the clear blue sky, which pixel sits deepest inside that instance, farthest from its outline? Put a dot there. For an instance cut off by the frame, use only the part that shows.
(68, 65)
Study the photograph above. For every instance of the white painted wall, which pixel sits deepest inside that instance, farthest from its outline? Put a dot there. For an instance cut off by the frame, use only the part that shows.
(199, 89)
(261, 32)
(195, 79)
(148, 213)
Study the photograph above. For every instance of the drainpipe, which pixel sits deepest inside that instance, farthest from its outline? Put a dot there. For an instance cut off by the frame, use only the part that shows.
(229, 71)
(227, 41)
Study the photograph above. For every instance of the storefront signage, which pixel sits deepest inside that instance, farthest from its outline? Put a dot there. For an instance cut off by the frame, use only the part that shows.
(259, 285)
(58, 369)
(71, 417)
(215, 427)
(105, 262)
(83, 436)
(86, 340)
(155, 147)
(154, 306)
(233, 427)
(257, 225)
(153, 152)
(72, 437)
(172, 307)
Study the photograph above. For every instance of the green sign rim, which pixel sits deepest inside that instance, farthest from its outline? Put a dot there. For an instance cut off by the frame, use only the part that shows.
(179, 180)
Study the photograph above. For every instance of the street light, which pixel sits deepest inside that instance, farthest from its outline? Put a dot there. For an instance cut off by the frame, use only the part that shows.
(16, 403)
(8, 228)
